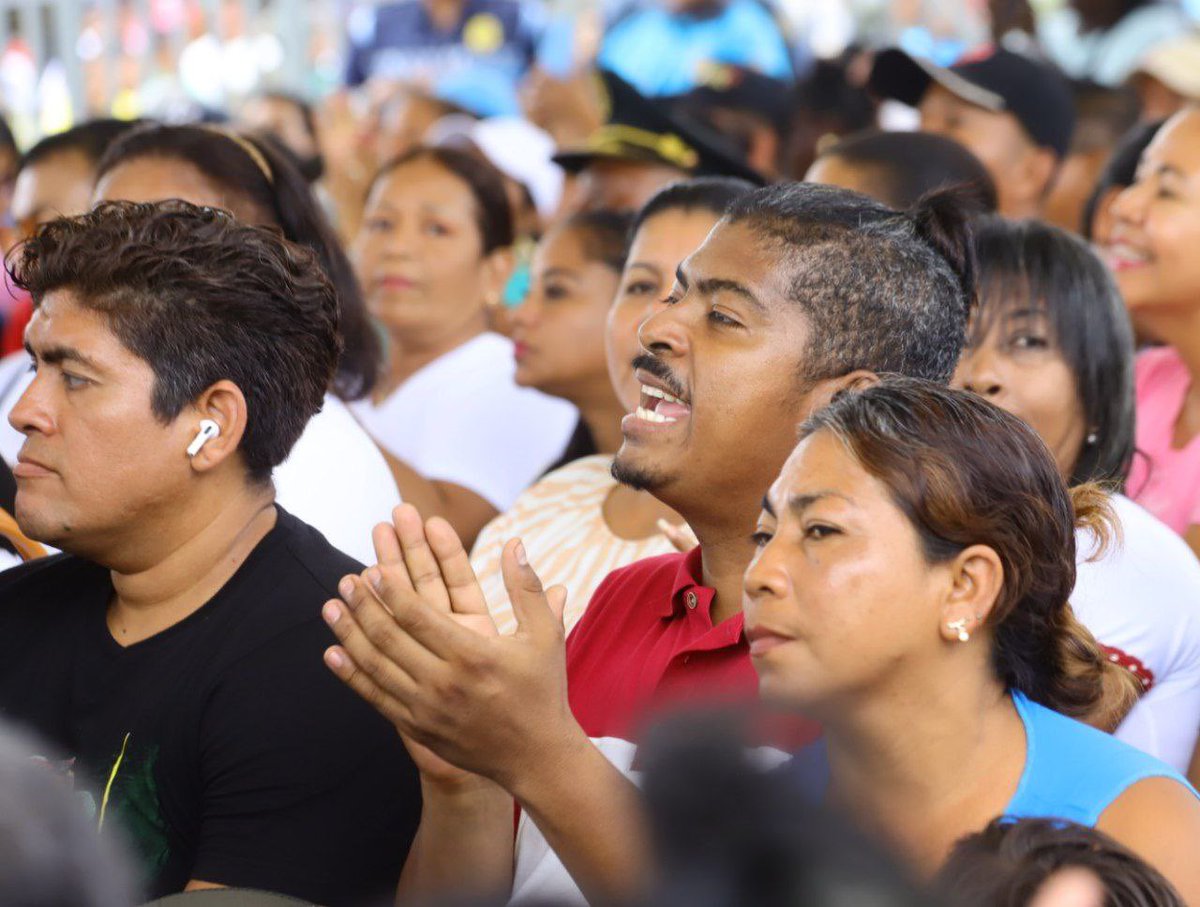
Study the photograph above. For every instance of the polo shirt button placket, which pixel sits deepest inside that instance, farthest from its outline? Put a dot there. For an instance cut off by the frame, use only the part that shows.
(691, 600)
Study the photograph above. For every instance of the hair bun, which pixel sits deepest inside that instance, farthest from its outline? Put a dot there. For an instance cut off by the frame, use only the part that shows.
(943, 219)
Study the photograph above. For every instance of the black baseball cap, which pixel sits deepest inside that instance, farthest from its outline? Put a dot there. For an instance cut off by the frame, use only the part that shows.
(1034, 92)
(644, 130)
(727, 85)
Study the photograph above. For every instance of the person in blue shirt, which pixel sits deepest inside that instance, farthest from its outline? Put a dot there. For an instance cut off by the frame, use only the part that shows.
(910, 592)
(462, 49)
(662, 48)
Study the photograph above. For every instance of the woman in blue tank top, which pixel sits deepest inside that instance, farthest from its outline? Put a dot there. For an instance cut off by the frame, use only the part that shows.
(910, 592)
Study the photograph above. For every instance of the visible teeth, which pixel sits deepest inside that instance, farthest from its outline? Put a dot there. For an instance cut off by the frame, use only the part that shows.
(650, 416)
(660, 394)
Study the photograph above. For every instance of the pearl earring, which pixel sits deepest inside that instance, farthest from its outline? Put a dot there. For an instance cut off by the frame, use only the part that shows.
(961, 627)
(1091, 439)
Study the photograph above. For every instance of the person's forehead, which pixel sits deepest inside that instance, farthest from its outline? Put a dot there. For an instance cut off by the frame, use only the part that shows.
(735, 251)
(672, 233)
(1178, 143)
(59, 320)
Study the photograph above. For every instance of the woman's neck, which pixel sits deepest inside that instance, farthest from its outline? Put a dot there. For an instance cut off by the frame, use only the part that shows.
(1185, 331)
(922, 764)
(602, 413)
(407, 354)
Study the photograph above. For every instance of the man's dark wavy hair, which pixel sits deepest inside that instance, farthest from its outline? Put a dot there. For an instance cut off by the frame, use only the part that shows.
(200, 297)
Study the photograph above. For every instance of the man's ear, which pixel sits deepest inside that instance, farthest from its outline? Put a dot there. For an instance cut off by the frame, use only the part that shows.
(822, 392)
(225, 404)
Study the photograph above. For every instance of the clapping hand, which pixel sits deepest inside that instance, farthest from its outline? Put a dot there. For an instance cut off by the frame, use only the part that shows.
(417, 642)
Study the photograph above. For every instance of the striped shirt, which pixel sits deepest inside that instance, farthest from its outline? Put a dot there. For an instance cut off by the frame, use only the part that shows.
(561, 522)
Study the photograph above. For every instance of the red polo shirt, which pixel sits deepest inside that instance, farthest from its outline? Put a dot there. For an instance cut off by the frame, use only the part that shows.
(647, 641)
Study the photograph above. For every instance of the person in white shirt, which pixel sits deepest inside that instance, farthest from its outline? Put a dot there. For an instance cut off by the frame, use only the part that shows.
(1051, 342)
(335, 479)
(432, 253)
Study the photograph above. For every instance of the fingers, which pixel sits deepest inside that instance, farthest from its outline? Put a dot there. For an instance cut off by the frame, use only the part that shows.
(339, 661)
(466, 597)
(422, 565)
(375, 641)
(525, 591)
(387, 544)
(436, 631)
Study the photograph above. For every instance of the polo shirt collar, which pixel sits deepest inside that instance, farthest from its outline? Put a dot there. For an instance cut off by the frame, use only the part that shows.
(688, 592)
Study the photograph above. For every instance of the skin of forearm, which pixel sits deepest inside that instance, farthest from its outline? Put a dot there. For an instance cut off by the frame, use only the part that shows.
(464, 845)
(593, 818)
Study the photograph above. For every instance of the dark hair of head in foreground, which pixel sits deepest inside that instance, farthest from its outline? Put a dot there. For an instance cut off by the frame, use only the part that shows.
(50, 854)
(883, 290)
(493, 213)
(1120, 170)
(1031, 265)
(1009, 861)
(968, 473)
(900, 167)
(712, 194)
(276, 195)
(201, 297)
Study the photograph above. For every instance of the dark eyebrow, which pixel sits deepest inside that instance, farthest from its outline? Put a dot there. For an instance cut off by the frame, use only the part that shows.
(55, 355)
(679, 277)
(711, 285)
(766, 505)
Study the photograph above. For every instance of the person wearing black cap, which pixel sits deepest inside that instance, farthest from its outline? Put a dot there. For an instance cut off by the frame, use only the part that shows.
(1014, 113)
(747, 108)
(641, 148)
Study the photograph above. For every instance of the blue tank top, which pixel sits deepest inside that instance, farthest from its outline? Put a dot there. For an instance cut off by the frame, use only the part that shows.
(1072, 771)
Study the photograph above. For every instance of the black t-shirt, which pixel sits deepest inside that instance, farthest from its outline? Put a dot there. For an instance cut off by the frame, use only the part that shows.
(223, 746)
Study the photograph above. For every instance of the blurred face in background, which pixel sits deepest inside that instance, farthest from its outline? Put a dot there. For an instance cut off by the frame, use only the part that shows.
(558, 331)
(660, 244)
(1021, 170)
(419, 256)
(59, 185)
(1152, 247)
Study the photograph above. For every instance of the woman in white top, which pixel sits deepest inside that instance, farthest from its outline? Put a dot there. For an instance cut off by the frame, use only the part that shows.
(335, 479)
(433, 250)
(575, 341)
(1051, 343)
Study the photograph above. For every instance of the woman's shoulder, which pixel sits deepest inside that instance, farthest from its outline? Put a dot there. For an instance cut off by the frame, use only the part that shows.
(581, 484)
(1074, 771)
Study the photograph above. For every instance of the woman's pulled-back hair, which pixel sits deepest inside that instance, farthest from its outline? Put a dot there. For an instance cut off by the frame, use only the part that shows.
(705, 193)
(269, 184)
(1030, 265)
(493, 213)
(883, 290)
(604, 234)
(1009, 861)
(967, 473)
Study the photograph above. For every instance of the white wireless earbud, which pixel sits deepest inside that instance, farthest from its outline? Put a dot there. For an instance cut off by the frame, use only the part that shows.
(208, 430)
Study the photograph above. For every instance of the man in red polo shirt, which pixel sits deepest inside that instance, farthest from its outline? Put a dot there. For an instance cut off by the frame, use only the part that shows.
(799, 292)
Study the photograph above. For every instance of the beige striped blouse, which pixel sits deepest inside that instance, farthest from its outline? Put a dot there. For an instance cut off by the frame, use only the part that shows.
(560, 519)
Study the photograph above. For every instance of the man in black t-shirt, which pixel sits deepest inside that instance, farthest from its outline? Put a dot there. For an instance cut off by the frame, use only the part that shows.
(173, 654)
